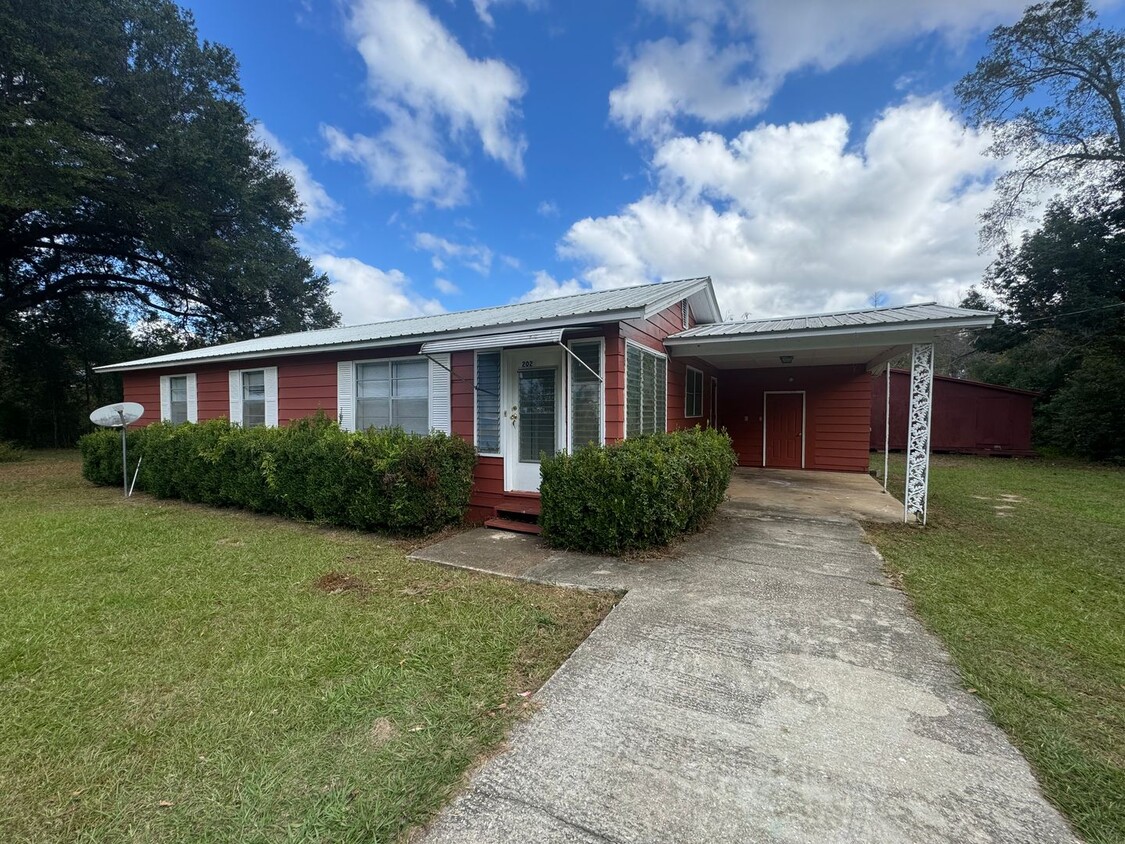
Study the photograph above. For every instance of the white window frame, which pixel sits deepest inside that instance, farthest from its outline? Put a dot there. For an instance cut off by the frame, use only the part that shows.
(804, 418)
(573, 364)
(429, 386)
(166, 396)
(476, 418)
(625, 385)
(269, 378)
(687, 375)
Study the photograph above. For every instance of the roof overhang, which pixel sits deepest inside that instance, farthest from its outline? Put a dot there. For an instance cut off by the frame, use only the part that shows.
(704, 304)
(870, 345)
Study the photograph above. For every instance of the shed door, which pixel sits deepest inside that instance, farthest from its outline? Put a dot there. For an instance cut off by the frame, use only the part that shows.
(783, 437)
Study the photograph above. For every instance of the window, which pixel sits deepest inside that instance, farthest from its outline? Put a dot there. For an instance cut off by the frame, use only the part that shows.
(393, 394)
(585, 393)
(693, 393)
(646, 386)
(177, 398)
(714, 402)
(488, 402)
(684, 313)
(253, 398)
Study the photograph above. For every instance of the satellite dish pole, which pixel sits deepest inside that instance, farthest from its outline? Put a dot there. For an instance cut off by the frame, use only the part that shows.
(119, 415)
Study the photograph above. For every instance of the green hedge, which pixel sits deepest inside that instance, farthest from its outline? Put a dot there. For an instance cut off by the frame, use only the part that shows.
(378, 480)
(640, 493)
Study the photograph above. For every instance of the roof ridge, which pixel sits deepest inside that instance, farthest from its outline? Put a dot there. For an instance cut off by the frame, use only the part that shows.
(869, 310)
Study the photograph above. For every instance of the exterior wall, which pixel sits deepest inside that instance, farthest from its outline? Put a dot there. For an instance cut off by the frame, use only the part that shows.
(837, 413)
(651, 333)
(968, 417)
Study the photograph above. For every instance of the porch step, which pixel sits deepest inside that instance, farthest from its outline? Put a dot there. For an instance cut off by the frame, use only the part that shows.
(514, 525)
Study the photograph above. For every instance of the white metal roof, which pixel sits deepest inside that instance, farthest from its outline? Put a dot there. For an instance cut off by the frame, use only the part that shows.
(597, 306)
(545, 337)
(901, 315)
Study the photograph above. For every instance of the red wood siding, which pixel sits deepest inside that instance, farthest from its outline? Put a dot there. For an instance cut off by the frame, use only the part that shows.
(837, 413)
(968, 417)
(651, 333)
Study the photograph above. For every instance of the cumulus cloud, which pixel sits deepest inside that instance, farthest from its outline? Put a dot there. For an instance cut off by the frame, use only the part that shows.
(363, 293)
(764, 41)
(446, 286)
(475, 256)
(805, 216)
(318, 204)
(430, 91)
(548, 287)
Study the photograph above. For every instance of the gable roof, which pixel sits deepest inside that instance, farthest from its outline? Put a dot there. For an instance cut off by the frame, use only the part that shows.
(641, 301)
(929, 314)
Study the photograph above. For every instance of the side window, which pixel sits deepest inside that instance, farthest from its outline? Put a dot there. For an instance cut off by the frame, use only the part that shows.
(178, 399)
(487, 389)
(586, 393)
(693, 393)
(646, 390)
(253, 398)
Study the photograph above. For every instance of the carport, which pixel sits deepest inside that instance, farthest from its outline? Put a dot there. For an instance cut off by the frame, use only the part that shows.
(795, 392)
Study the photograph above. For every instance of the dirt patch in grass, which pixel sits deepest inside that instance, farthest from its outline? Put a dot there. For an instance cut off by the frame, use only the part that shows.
(337, 582)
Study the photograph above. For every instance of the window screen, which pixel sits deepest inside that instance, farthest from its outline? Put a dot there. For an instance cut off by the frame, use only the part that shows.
(646, 381)
(693, 393)
(488, 403)
(253, 398)
(536, 413)
(585, 394)
(178, 398)
(393, 394)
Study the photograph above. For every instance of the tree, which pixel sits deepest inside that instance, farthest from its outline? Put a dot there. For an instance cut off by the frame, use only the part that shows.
(131, 176)
(1049, 91)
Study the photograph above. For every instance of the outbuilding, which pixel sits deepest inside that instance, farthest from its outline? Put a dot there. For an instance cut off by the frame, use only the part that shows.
(531, 378)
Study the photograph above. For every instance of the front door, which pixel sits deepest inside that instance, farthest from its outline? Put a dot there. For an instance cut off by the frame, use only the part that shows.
(532, 419)
(783, 444)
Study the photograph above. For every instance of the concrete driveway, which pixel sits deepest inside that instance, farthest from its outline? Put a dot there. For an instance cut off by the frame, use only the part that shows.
(765, 683)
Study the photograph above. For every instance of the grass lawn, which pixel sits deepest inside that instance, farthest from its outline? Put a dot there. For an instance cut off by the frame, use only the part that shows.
(174, 673)
(1022, 574)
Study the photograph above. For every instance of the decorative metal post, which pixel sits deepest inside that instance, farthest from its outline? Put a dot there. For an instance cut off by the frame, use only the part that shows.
(918, 436)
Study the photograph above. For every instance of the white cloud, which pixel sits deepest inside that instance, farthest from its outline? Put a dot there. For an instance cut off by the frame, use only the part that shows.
(764, 41)
(404, 157)
(363, 293)
(446, 286)
(431, 92)
(472, 255)
(318, 204)
(548, 287)
(800, 218)
(547, 208)
(483, 8)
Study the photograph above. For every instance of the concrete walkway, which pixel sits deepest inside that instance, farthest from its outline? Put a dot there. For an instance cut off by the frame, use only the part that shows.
(763, 684)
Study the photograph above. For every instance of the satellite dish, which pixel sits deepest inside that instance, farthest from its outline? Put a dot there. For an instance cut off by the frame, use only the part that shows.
(117, 415)
(120, 415)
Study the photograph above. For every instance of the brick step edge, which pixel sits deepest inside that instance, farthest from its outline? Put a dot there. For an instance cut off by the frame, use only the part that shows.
(513, 525)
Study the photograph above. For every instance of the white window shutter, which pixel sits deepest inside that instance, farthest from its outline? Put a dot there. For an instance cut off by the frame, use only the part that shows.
(192, 399)
(345, 394)
(270, 373)
(440, 414)
(236, 396)
(165, 398)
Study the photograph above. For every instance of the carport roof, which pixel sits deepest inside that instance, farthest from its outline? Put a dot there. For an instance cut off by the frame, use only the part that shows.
(907, 316)
(870, 336)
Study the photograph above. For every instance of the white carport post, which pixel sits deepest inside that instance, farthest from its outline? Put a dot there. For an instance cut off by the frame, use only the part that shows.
(918, 436)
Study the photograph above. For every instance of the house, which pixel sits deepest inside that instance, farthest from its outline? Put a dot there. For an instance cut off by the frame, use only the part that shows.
(519, 380)
(970, 417)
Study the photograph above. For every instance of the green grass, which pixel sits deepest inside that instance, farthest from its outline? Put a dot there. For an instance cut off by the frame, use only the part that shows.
(1022, 573)
(172, 673)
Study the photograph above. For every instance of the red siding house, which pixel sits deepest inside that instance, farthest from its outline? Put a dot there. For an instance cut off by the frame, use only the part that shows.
(969, 417)
(519, 380)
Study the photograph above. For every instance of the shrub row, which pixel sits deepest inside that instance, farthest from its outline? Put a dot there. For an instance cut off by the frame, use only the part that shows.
(640, 493)
(378, 480)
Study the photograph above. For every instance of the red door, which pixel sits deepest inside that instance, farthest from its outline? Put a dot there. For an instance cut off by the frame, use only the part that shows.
(784, 436)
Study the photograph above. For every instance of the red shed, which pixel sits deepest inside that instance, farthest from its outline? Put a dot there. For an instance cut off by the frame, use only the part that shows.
(969, 417)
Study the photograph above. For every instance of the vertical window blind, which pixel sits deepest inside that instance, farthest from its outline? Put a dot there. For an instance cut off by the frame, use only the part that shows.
(488, 402)
(585, 394)
(646, 391)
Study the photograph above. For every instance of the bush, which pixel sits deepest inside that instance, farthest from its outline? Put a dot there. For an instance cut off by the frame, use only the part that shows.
(640, 493)
(377, 480)
(10, 452)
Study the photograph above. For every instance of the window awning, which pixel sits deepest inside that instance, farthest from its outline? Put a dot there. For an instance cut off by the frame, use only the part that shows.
(544, 337)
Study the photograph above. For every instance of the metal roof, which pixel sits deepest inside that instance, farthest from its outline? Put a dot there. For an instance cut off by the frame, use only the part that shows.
(544, 337)
(892, 317)
(596, 306)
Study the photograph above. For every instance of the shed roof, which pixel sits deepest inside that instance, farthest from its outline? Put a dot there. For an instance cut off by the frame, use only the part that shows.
(929, 312)
(597, 306)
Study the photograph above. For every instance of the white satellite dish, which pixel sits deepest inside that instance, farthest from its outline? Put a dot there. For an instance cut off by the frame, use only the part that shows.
(120, 415)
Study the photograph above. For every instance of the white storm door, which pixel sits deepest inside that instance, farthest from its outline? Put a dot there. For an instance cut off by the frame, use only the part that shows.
(531, 418)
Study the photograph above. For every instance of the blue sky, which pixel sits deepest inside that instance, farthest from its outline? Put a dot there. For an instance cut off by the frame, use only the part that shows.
(462, 153)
